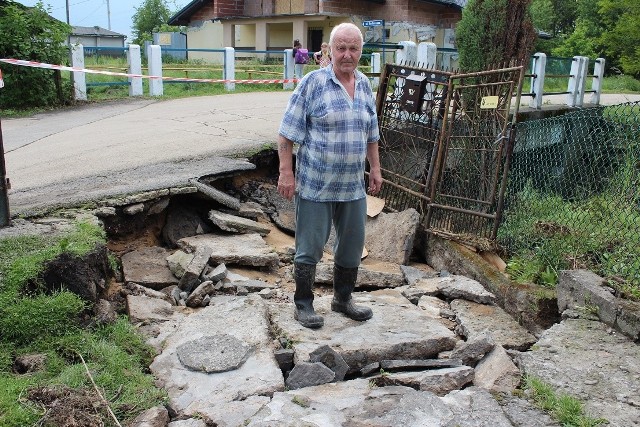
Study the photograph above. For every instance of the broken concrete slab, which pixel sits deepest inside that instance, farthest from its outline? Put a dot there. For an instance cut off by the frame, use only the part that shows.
(191, 277)
(455, 286)
(148, 267)
(398, 328)
(474, 349)
(179, 262)
(308, 374)
(587, 360)
(214, 353)
(356, 403)
(371, 275)
(389, 236)
(225, 398)
(413, 274)
(215, 194)
(332, 360)
(437, 381)
(242, 249)
(497, 373)
(237, 224)
(183, 220)
(474, 318)
(199, 294)
(144, 309)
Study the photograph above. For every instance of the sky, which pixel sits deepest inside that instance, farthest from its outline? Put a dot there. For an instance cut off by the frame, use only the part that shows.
(88, 13)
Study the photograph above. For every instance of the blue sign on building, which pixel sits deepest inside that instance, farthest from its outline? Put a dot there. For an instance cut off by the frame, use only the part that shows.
(373, 23)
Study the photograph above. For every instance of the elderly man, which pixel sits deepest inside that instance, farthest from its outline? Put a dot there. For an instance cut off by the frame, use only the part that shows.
(332, 116)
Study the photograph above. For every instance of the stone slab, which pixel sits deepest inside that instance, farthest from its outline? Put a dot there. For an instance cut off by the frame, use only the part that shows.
(398, 330)
(587, 360)
(225, 398)
(240, 249)
(148, 267)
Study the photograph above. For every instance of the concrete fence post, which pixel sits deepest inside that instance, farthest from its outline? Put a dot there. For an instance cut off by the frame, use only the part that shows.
(596, 84)
(288, 68)
(408, 53)
(229, 68)
(375, 68)
(427, 54)
(135, 67)
(154, 57)
(572, 87)
(78, 78)
(582, 80)
(537, 81)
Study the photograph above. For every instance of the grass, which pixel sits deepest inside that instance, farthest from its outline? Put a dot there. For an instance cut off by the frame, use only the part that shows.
(49, 324)
(567, 410)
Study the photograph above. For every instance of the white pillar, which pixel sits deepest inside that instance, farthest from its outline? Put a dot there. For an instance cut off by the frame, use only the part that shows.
(229, 67)
(135, 67)
(537, 81)
(598, 76)
(78, 78)
(155, 69)
(574, 79)
(582, 80)
(427, 55)
(288, 68)
(375, 68)
(408, 54)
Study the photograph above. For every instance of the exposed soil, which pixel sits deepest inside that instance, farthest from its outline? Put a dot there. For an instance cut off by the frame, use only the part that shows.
(65, 406)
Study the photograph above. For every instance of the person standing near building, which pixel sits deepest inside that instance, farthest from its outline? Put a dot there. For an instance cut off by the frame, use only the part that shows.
(323, 56)
(332, 116)
(300, 58)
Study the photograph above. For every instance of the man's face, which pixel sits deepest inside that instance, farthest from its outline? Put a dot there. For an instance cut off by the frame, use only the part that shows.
(346, 51)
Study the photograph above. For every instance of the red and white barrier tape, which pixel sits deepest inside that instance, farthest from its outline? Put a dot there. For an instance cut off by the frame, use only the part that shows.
(34, 64)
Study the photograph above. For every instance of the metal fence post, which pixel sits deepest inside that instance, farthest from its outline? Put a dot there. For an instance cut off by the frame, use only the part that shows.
(78, 77)
(135, 67)
(598, 77)
(154, 57)
(229, 67)
(537, 81)
(288, 68)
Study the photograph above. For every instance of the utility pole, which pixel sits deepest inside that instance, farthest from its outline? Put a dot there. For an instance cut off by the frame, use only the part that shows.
(108, 14)
(5, 218)
(68, 22)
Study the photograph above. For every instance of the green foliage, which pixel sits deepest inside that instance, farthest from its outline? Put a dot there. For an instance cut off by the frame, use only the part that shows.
(622, 40)
(30, 34)
(27, 319)
(116, 355)
(493, 32)
(152, 16)
(567, 410)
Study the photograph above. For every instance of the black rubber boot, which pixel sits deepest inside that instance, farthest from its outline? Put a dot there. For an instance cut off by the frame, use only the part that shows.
(344, 280)
(305, 275)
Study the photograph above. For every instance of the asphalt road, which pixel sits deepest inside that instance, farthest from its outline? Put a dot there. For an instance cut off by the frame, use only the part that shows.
(97, 150)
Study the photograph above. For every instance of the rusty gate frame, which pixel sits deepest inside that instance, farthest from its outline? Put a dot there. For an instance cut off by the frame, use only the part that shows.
(450, 159)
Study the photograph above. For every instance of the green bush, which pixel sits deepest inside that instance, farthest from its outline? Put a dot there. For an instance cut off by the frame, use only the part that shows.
(30, 34)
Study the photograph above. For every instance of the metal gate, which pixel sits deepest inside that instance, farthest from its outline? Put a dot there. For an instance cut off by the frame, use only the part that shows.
(445, 146)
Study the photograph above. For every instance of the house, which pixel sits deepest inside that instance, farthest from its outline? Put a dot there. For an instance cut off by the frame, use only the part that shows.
(269, 25)
(97, 36)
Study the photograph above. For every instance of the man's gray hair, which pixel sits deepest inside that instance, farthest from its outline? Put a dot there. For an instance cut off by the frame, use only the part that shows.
(342, 27)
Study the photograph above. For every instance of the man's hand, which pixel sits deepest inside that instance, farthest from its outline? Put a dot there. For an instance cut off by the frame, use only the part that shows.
(375, 181)
(286, 184)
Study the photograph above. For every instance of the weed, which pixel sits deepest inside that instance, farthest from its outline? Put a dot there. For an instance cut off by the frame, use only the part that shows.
(567, 410)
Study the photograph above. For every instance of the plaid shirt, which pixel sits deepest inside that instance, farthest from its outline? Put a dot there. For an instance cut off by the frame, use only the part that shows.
(333, 131)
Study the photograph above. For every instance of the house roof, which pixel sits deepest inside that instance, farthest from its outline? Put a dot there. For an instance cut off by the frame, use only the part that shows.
(94, 31)
(182, 17)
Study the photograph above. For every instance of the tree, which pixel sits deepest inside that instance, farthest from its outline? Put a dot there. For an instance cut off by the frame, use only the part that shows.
(151, 17)
(621, 40)
(493, 32)
(31, 34)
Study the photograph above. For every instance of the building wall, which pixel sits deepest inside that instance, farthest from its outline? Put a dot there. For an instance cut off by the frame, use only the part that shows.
(93, 41)
(205, 35)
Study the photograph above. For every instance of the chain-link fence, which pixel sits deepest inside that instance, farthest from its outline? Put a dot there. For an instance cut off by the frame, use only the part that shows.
(573, 197)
